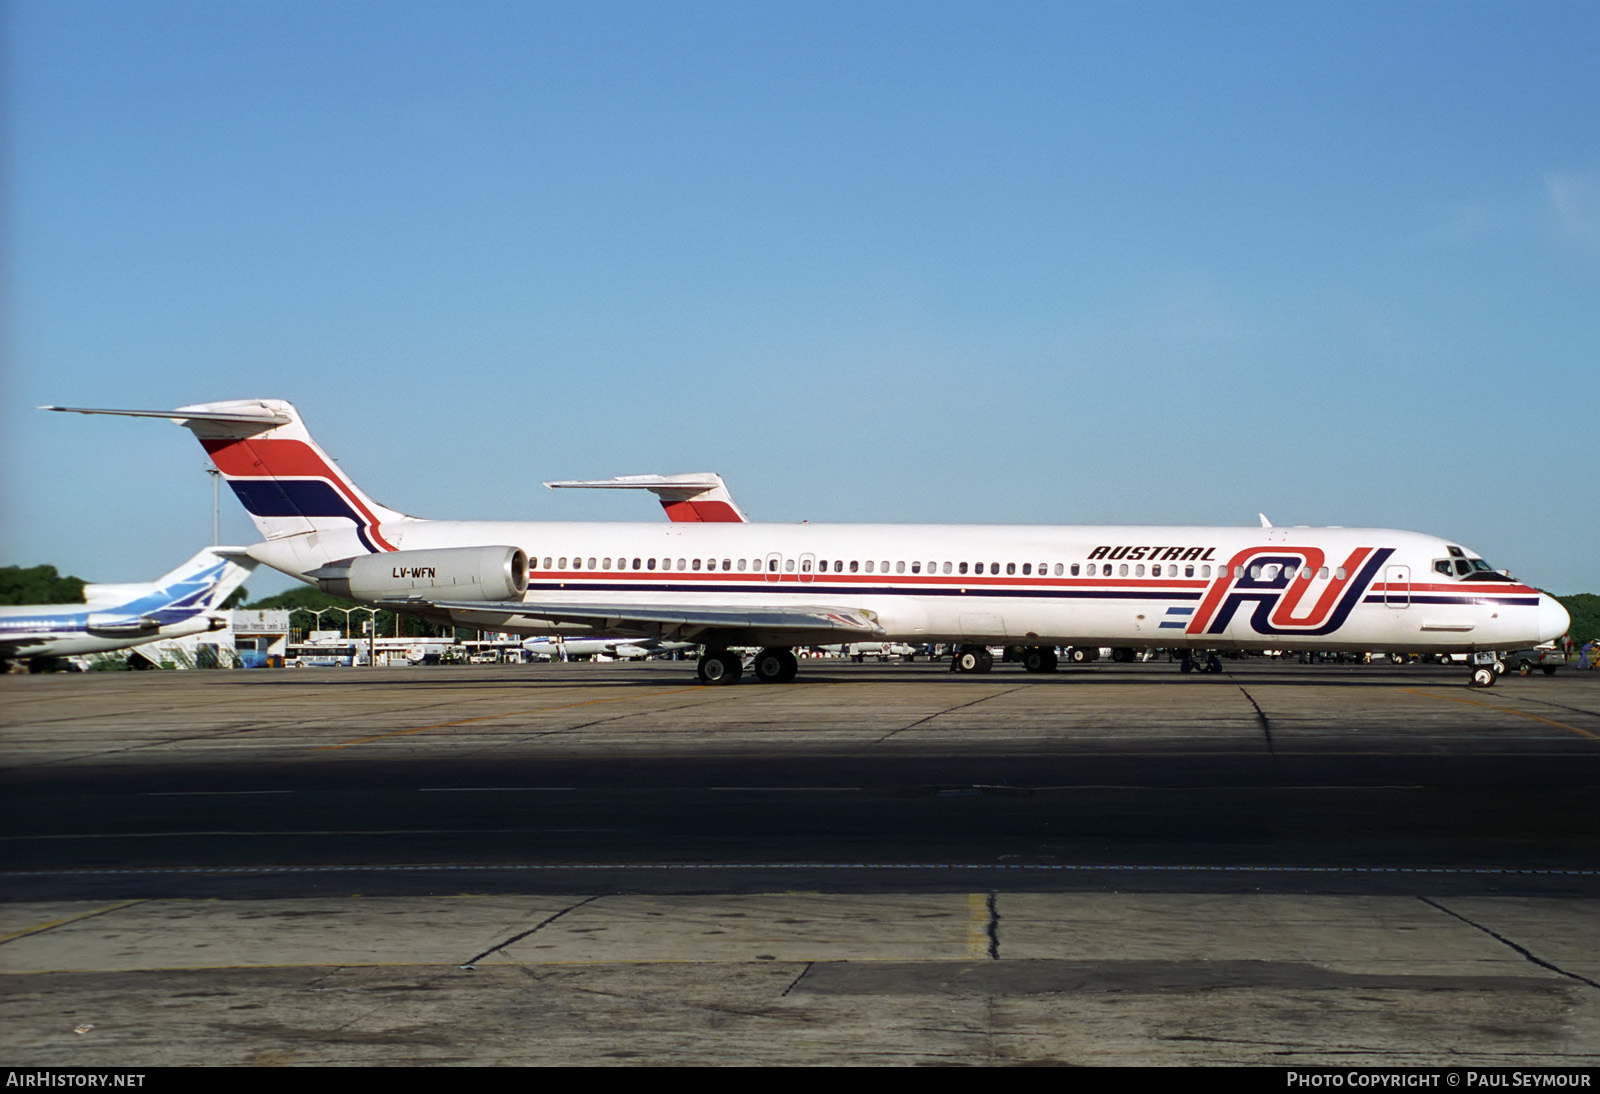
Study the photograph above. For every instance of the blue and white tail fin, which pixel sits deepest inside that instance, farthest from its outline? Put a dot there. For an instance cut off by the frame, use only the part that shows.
(199, 585)
(285, 481)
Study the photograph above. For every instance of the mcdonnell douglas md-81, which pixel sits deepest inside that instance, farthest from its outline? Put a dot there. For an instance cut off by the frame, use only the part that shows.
(777, 586)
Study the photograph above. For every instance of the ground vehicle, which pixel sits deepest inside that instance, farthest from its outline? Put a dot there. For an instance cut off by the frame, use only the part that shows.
(1546, 657)
(325, 655)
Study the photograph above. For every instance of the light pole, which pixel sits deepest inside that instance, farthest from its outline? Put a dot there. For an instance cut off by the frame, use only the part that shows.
(216, 524)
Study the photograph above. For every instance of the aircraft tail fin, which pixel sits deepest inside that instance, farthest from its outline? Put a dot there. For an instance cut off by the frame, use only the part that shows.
(700, 498)
(199, 585)
(285, 481)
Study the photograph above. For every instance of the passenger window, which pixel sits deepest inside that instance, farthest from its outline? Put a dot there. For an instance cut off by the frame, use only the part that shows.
(1338, 573)
(900, 567)
(696, 564)
(1074, 569)
(1122, 570)
(1027, 569)
(1322, 574)
(1138, 571)
(636, 564)
(869, 565)
(962, 568)
(916, 567)
(947, 568)
(788, 566)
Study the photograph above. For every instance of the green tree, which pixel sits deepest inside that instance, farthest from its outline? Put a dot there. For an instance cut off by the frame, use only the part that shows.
(1585, 611)
(38, 585)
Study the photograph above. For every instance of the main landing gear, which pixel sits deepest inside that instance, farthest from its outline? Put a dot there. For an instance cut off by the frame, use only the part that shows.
(773, 665)
(1039, 659)
(1200, 661)
(776, 665)
(972, 659)
(720, 667)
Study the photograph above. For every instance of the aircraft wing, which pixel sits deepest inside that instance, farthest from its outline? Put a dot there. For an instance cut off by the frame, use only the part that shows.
(659, 620)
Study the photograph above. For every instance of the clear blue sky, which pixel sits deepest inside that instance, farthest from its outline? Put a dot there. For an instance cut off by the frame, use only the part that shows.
(974, 262)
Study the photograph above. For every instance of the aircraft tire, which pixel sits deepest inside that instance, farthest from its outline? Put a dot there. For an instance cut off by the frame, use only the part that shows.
(1039, 659)
(974, 660)
(776, 665)
(1078, 655)
(1482, 677)
(720, 668)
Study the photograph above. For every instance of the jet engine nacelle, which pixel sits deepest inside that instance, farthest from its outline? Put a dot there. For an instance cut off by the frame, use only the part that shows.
(457, 573)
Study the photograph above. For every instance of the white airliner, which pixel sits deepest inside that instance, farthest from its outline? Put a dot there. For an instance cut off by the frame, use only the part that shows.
(777, 586)
(115, 617)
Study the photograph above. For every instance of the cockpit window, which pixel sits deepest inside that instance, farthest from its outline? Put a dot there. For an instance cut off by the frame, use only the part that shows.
(1441, 566)
(1456, 552)
(1463, 568)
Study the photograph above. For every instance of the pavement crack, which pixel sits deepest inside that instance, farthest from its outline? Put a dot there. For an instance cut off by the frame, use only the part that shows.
(994, 927)
(1261, 716)
(941, 713)
(65, 920)
(796, 981)
(1503, 940)
(541, 925)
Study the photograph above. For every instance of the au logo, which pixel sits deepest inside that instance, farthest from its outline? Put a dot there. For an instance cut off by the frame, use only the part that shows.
(1278, 581)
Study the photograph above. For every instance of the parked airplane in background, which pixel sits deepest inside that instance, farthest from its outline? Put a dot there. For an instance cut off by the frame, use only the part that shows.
(115, 617)
(774, 587)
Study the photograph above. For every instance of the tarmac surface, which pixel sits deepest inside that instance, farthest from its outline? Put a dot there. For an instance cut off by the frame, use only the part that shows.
(607, 863)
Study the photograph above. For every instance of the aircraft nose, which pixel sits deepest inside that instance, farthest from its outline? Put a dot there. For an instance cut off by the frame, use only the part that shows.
(1553, 618)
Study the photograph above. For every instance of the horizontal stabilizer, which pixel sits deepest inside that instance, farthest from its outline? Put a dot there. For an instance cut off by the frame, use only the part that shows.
(264, 417)
(697, 498)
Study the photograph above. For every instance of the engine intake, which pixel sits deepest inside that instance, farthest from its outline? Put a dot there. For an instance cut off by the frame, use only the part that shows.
(459, 573)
